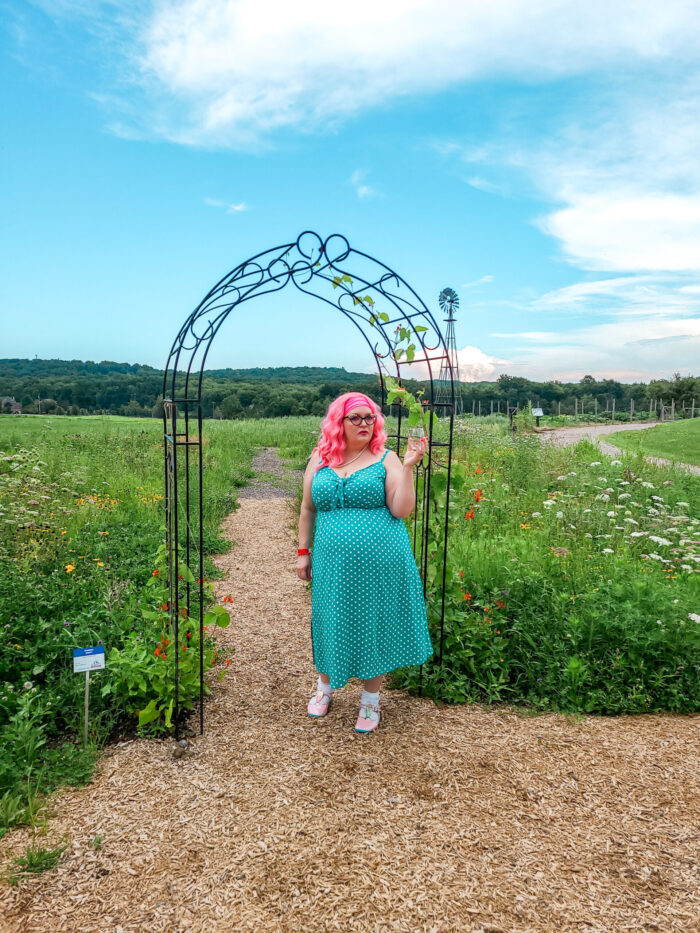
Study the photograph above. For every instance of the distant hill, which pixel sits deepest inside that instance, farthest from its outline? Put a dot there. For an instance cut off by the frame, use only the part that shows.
(85, 387)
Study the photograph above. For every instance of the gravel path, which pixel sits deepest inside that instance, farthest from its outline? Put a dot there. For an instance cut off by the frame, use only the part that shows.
(563, 437)
(448, 819)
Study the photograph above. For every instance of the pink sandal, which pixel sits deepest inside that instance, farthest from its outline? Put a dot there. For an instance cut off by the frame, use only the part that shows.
(319, 704)
(368, 720)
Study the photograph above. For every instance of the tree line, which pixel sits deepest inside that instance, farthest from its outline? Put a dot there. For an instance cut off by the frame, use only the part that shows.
(76, 387)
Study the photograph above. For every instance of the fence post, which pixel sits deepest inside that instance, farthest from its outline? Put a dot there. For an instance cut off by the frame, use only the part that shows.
(692, 410)
(472, 407)
(613, 412)
(491, 406)
(480, 408)
(673, 409)
(559, 407)
(575, 408)
(595, 405)
(631, 410)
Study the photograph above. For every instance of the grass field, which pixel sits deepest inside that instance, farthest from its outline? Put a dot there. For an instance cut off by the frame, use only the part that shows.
(679, 441)
(572, 579)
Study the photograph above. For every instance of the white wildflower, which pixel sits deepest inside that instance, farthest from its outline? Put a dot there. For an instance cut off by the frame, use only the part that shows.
(571, 473)
(536, 515)
(652, 511)
(603, 497)
(638, 534)
(28, 685)
(659, 557)
(602, 479)
(694, 617)
(588, 535)
(687, 568)
(616, 463)
(631, 521)
(657, 498)
(610, 514)
(586, 510)
(683, 503)
(561, 477)
(657, 540)
(560, 515)
(595, 463)
(623, 482)
(608, 550)
(648, 485)
(625, 495)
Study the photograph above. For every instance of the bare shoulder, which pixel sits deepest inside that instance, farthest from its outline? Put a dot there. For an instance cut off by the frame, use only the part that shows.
(391, 459)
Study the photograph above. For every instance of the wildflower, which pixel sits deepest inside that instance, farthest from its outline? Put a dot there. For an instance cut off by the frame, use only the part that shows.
(28, 685)
(70, 568)
(478, 469)
(560, 551)
(657, 540)
(631, 521)
(683, 503)
(638, 534)
(64, 532)
(561, 477)
(610, 514)
(479, 494)
(656, 498)
(164, 606)
(560, 515)
(687, 568)
(571, 473)
(595, 463)
(461, 574)
(603, 497)
(468, 597)
(227, 599)
(155, 573)
(607, 550)
(648, 485)
(616, 463)
(524, 526)
(536, 515)
(469, 515)
(694, 617)
(157, 652)
(100, 563)
(228, 661)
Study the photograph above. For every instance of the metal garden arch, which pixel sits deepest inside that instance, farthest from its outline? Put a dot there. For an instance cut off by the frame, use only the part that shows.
(377, 301)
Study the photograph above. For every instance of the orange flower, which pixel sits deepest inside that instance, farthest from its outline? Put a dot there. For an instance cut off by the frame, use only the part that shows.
(157, 652)
(227, 599)
(478, 469)
(469, 515)
(479, 494)
(164, 606)
(228, 661)
(155, 573)
(461, 574)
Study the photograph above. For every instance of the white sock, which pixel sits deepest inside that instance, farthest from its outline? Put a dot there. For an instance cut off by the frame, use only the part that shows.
(371, 699)
(326, 688)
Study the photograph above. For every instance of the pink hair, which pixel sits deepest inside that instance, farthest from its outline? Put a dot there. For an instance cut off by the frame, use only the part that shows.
(331, 442)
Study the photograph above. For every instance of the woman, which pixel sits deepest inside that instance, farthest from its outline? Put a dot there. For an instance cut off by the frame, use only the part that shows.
(367, 608)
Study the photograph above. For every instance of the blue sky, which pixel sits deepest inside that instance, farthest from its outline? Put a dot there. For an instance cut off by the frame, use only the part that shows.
(541, 159)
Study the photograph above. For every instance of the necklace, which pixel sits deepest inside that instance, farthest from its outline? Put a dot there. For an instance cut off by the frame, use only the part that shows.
(357, 456)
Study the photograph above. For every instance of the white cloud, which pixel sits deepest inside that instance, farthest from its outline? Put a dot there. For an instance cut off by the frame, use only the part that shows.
(484, 280)
(363, 190)
(630, 349)
(483, 185)
(227, 72)
(230, 208)
(474, 366)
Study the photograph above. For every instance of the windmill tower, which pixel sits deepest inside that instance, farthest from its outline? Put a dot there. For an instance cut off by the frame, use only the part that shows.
(449, 302)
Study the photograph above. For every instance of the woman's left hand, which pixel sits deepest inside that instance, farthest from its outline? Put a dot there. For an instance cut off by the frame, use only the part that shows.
(416, 451)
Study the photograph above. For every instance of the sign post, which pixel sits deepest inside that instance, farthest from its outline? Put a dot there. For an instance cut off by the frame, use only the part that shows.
(88, 659)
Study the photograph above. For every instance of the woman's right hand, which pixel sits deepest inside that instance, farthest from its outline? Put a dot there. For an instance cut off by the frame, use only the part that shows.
(304, 566)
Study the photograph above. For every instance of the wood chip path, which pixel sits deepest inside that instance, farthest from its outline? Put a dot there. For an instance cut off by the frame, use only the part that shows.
(448, 819)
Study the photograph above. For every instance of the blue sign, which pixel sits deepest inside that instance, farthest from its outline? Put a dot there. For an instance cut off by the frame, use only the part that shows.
(88, 659)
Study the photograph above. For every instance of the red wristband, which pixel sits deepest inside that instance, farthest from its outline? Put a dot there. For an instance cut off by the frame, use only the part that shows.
(303, 550)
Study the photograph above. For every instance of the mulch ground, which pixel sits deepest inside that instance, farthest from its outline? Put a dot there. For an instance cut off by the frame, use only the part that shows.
(447, 819)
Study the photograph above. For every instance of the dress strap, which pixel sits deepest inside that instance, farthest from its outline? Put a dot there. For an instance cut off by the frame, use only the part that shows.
(384, 455)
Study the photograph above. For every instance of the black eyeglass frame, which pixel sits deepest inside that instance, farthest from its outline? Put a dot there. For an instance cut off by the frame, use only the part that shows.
(357, 420)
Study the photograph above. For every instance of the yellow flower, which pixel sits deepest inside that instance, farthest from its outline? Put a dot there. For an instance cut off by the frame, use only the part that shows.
(70, 568)
(64, 532)
(100, 563)
(524, 525)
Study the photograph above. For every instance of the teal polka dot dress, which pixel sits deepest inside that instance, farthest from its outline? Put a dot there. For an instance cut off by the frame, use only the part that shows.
(367, 608)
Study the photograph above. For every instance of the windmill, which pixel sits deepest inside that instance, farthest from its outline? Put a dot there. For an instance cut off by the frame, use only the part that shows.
(449, 302)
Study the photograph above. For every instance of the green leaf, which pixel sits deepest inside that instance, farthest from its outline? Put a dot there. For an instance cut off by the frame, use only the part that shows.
(398, 354)
(373, 319)
(169, 713)
(346, 278)
(217, 615)
(185, 572)
(418, 328)
(148, 714)
(369, 300)
(410, 352)
(384, 316)
(336, 281)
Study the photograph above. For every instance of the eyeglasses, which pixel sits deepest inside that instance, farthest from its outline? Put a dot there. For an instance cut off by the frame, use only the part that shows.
(357, 420)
